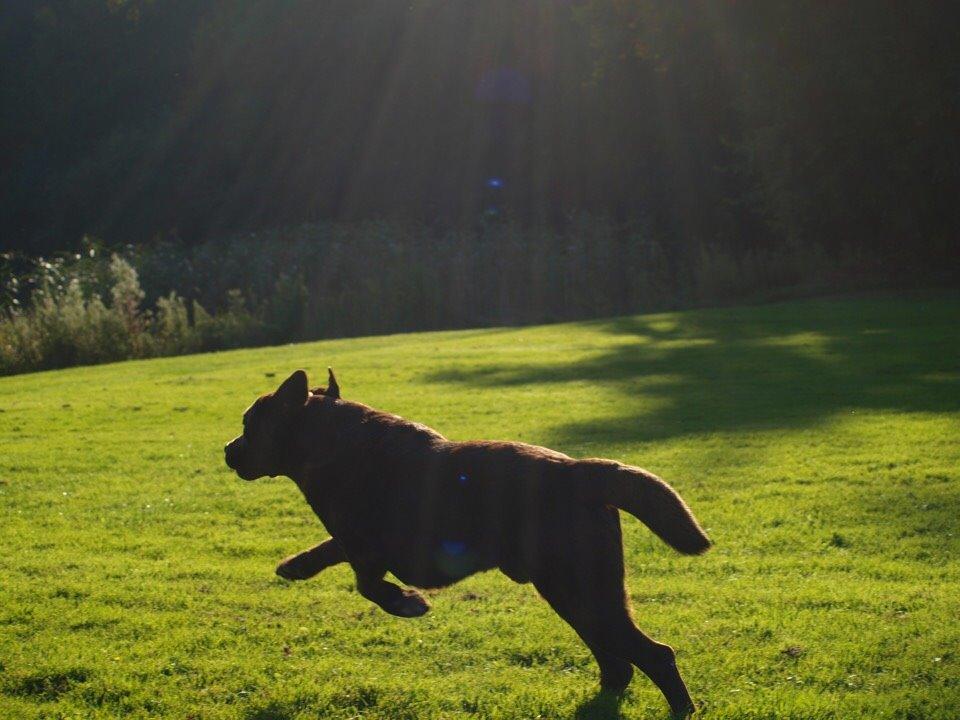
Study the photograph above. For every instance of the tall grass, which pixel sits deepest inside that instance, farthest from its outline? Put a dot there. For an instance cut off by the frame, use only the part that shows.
(349, 279)
(68, 324)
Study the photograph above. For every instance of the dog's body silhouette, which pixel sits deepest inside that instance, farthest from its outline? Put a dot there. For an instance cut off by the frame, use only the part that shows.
(398, 497)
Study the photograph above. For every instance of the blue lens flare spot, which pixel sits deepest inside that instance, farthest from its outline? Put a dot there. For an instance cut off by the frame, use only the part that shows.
(462, 479)
(495, 182)
(453, 547)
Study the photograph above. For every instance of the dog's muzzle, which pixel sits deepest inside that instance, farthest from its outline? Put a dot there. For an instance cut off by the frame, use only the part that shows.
(231, 453)
(235, 455)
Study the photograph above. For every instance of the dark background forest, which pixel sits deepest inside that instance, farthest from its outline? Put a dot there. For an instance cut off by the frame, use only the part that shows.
(682, 143)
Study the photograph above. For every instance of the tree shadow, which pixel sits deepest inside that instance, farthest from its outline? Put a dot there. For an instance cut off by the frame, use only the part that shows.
(770, 368)
(758, 368)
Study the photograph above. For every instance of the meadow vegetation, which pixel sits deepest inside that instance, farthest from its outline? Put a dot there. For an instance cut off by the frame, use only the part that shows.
(818, 442)
(350, 279)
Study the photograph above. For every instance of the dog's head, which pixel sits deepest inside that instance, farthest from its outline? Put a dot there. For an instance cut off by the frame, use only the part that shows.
(268, 425)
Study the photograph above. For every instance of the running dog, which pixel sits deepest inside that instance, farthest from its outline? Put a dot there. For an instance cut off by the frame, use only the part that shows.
(398, 497)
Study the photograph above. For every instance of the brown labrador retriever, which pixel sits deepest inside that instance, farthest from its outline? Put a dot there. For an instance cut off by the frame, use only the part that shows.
(398, 497)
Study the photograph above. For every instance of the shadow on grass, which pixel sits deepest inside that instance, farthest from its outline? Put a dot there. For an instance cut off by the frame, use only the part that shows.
(753, 368)
(273, 710)
(602, 706)
(48, 686)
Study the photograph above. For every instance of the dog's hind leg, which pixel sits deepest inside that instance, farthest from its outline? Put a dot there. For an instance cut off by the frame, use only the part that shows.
(310, 562)
(616, 642)
(656, 660)
(615, 671)
(583, 581)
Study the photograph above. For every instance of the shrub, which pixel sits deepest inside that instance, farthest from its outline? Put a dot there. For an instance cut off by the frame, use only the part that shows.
(348, 279)
(62, 325)
(235, 327)
(174, 335)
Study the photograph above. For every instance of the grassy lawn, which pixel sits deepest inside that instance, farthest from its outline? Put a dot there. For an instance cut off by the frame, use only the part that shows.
(818, 442)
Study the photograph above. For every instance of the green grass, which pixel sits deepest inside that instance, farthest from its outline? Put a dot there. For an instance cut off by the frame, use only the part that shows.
(818, 442)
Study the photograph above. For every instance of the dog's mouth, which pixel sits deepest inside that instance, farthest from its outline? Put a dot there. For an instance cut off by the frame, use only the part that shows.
(232, 456)
(237, 458)
(243, 473)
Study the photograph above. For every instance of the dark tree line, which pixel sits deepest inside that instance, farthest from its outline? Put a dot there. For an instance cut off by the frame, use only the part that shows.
(744, 122)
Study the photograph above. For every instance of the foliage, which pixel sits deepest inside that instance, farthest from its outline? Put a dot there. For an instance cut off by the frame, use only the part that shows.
(349, 279)
(750, 123)
(818, 441)
(66, 323)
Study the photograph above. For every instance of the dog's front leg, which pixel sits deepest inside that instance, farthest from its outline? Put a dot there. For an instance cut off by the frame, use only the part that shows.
(308, 563)
(392, 598)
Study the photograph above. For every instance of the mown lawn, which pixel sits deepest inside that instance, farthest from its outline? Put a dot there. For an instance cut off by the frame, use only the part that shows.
(818, 442)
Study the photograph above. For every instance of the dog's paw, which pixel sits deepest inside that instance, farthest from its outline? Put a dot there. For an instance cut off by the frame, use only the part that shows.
(408, 604)
(293, 568)
(683, 711)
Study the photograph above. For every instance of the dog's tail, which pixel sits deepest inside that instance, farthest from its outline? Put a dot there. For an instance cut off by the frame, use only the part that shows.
(651, 500)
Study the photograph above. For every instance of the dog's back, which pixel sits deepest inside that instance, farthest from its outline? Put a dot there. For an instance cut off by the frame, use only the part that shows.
(444, 510)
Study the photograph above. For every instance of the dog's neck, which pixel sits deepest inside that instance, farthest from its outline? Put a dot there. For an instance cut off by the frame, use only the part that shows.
(330, 433)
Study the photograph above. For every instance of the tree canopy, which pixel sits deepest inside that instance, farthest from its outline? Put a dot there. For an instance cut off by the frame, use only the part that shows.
(746, 122)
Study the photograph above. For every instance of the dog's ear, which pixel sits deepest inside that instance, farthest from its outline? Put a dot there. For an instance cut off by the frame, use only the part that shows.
(293, 391)
(333, 390)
